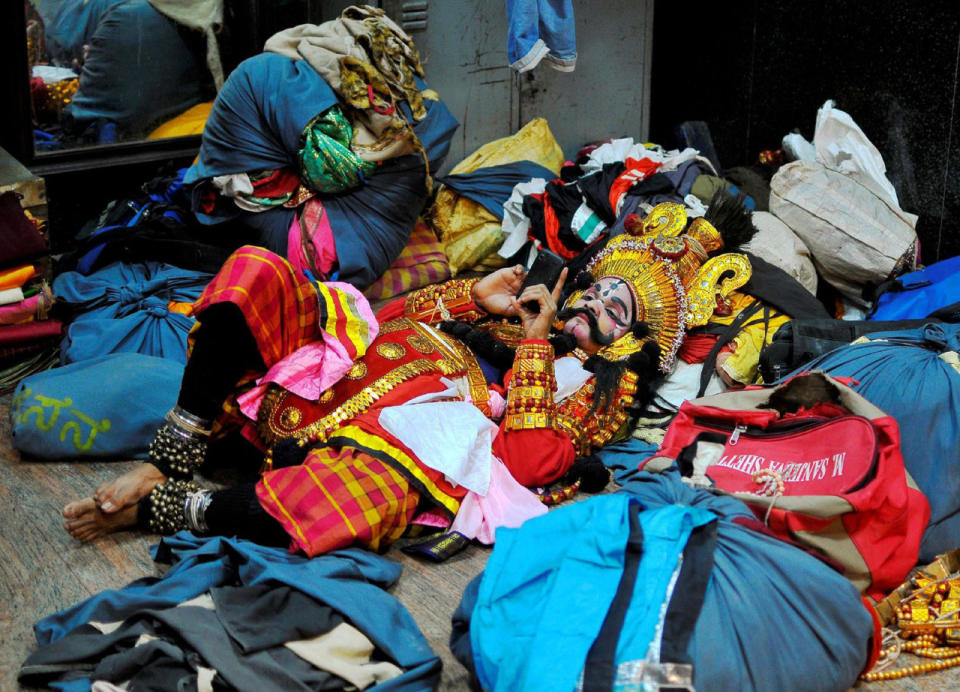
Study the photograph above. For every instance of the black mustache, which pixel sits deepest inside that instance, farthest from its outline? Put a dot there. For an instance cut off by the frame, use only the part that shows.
(595, 333)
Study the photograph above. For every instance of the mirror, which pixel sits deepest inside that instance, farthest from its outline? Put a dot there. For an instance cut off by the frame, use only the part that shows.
(112, 71)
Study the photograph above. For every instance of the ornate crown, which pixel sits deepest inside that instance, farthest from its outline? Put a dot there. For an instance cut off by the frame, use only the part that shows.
(657, 292)
(672, 287)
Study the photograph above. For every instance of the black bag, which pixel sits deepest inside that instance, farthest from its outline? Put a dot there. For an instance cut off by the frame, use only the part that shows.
(800, 341)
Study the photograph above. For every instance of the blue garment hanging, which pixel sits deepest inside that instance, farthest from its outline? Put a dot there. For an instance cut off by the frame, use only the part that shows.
(541, 29)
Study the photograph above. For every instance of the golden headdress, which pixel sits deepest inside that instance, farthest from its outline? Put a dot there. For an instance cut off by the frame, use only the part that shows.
(673, 285)
(657, 290)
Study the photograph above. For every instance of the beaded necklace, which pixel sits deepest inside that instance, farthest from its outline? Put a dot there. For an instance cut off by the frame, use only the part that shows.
(928, 622)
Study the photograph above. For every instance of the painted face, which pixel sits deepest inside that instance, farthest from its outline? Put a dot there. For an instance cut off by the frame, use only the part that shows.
(611, 302)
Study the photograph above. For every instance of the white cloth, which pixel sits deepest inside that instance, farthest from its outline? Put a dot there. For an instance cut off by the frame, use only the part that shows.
(776, 242)
(797, 148)
(515, 224)
(50, 73)
(683, 383)
(345, 651)
(843, 147)
(9, 296)
(452, 437)
(507, 503)
(233, 184)
(570, 376)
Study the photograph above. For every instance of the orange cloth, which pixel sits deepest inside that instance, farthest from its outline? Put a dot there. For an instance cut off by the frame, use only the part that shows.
(15, 278)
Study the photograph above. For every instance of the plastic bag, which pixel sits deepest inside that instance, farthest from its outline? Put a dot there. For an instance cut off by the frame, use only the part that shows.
(845, 210)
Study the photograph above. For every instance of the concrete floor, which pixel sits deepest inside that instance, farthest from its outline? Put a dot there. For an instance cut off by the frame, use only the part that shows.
(43, 570)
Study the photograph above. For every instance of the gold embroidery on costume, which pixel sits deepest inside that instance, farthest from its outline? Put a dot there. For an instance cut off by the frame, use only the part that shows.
(290, 418)
(435, 303)
(391, 351)
(590, 430)
(448, 357)
(419, 343)
(357, 372)
(393, 326)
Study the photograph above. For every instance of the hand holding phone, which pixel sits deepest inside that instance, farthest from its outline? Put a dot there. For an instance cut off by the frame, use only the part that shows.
(545, 270)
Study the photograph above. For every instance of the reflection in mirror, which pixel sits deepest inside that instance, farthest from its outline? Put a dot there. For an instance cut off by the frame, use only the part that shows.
(107, 71)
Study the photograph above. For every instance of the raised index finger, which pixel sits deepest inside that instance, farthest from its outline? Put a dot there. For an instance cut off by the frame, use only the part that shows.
(558, 288)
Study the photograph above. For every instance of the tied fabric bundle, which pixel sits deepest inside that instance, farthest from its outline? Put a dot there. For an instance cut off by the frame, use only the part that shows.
(104, 407)
(573, 565)
(263, 120)
(127, 308)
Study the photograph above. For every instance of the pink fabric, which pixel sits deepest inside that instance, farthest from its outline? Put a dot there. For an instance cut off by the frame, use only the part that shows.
(507, 503)
(19, 312)
(311, 369)
(497, 404)
(315, 224)
(433, 518)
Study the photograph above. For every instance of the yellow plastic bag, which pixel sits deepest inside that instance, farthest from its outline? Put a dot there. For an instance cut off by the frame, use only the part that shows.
(190, 122)
(470, 234)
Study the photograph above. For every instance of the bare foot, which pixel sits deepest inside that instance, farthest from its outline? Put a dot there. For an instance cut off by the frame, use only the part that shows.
(128, 489)
(85, 522)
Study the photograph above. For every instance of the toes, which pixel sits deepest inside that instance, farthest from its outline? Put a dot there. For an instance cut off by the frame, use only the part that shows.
(79, 508)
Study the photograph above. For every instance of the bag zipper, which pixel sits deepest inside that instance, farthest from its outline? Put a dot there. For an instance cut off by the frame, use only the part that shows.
(735, 437)
(737, 429)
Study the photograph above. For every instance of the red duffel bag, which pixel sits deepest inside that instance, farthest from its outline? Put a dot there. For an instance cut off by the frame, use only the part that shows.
(826, 473)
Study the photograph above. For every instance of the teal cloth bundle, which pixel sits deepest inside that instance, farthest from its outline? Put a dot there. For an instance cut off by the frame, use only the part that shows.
(109, 406)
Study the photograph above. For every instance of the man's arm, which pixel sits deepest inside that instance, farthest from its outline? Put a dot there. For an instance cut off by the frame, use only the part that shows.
(529, 443)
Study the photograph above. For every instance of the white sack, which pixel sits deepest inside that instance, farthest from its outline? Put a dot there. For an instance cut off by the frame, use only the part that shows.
(854, 236)
(781, 247)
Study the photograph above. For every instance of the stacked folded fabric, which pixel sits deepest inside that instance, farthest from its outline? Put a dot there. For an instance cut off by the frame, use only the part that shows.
(28, 340)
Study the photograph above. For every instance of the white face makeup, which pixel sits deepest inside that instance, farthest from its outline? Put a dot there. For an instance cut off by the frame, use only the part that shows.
(611, 302)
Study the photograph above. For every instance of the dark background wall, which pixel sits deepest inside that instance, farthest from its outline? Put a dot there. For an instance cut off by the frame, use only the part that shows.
(755, 71)
(752, 70)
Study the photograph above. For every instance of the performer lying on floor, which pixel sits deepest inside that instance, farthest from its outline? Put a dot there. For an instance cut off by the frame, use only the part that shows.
(333, 474)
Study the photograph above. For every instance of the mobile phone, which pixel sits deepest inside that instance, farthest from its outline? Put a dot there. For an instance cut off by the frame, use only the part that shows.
(545, 270)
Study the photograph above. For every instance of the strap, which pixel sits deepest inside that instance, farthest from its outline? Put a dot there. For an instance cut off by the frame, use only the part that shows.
(600, 669)
(726, 336)
(688, 594)
(948, 313)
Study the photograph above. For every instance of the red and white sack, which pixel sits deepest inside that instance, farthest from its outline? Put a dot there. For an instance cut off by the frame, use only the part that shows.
(831, 478)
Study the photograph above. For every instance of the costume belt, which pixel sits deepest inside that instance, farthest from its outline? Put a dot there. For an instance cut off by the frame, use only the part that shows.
(403, 350)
